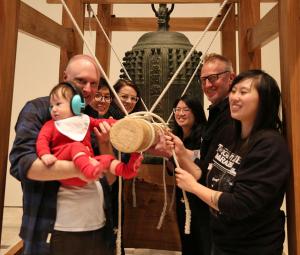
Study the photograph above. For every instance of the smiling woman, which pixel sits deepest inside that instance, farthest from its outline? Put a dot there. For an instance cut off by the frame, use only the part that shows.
(102, 99)
(244, 100)
(247, 176)
(189, 122)
(129, 95)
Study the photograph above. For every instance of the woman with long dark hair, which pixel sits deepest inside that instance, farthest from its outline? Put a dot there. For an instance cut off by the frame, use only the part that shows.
(248, 175)
(189, 121)
(129, 95)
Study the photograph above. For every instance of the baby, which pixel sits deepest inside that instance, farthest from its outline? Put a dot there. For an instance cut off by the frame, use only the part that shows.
(68, 137)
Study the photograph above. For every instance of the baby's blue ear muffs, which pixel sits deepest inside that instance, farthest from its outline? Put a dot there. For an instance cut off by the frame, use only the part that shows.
(77, 102)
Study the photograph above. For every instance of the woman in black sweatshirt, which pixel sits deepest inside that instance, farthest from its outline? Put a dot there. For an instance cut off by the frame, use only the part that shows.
(189, 122)
(248, 175)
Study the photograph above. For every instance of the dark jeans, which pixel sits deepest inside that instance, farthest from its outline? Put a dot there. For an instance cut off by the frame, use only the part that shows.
(79, 243)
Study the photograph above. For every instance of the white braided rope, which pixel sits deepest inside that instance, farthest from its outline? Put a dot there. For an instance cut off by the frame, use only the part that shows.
(163, 213)
(108, 40)
(188, 216)
(186, 202)
(119, 233)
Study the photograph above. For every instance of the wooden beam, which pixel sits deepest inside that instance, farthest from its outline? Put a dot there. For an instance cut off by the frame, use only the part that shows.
(38, 25)
(9, 13)
(77, 9)
(265, 30)
(150, 24)
(289, 41)
(248, 16)
(228, 36)
(103, 49)
(142, 1)
(155, 2)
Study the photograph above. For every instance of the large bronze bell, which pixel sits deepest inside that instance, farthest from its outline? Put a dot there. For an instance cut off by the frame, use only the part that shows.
(155, 58)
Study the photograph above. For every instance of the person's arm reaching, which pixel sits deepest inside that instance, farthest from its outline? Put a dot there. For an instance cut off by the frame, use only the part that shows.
(61, 169)
(102, 135)
(187, 182)
(184, 156)
(118, 168)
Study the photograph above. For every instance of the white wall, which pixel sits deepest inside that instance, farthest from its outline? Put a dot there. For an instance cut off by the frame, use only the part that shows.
(37, 63)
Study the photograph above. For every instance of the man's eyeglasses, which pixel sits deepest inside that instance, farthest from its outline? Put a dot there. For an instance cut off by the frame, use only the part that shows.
(179, 110)
(125, 98)
(212, 78)
(100, 98)
(83, 82)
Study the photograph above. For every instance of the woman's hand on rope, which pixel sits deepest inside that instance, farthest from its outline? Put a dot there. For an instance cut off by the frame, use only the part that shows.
(177, 145)
(161, 148)
(185, 180)
(102, 132)
(102, 136)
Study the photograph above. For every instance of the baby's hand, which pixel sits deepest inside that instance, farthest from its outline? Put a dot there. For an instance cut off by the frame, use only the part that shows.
(135, 161)
(48, 159)
(98, 170)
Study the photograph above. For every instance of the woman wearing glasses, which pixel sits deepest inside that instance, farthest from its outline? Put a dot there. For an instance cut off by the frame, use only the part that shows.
(129, 95)
(189, 121)
(102, 99)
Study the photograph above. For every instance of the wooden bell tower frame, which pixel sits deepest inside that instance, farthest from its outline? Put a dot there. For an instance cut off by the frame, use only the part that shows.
(283, 21)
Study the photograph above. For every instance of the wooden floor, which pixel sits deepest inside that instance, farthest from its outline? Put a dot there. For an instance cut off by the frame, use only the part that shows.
(11, 223)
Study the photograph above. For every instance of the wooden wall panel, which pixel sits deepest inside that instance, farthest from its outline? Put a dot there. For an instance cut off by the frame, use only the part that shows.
(264, 31)
(228, 36)
(289, 38)
(103, 49)
(155, 1)
(9, 13)
(248, 17)
(38, 25)
(77, 8)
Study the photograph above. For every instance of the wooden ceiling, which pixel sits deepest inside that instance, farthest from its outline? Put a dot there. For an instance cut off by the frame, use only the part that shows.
(156, 2)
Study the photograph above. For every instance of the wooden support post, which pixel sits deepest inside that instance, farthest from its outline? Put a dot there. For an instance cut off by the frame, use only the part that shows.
(77, 9)
(38, 25)
(289, 38)
(265, 30)
(248, 16)
(9, 13)
(103, 48)
(228, 36)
